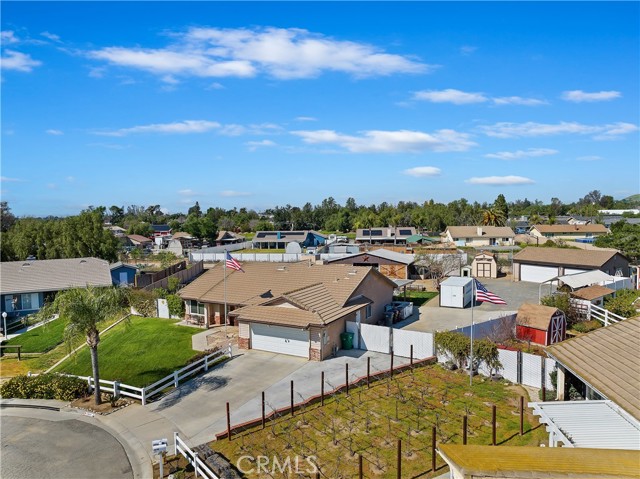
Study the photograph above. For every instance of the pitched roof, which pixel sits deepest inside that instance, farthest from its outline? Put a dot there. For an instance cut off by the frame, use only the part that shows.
(608, 359)
(53, 275)
(285, 236)
(181, 234)
(139, 238)
(535, 316)
(485, 231)
(418, 238)
(262, 282)
(548, 462)
(160, 228)
(565, 256)
(381, 253)
(591, 228)
(225, 234)
(120, 264)
(385, 232)
(592, 292)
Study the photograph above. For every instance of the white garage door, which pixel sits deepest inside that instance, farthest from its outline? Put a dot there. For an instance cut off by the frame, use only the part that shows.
(574, 271)
(537, 274)
(279, 339)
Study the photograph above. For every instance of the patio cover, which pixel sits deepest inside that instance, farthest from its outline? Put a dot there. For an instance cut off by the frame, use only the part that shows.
(588, 278)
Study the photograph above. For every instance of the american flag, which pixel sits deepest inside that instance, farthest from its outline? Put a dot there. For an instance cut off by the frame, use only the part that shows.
(233, 263)
(483, 294)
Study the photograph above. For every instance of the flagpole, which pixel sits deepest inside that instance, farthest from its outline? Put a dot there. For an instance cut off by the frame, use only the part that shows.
(224, 267)
(473, 301)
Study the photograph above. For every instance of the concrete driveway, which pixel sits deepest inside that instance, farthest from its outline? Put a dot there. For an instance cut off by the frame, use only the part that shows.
(431, 317)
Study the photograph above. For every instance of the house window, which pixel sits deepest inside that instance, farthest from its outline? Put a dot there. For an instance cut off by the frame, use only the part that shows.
(325, 337)
(21, 302)
(196, 307)
(367, 313)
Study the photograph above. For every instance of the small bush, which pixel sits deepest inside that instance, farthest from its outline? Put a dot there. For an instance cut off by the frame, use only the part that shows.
(44, 386)
(176, 305)
(144, 302)
(586, 326)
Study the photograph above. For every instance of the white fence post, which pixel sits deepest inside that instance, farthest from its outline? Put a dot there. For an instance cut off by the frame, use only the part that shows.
(116, 392)
(175, 443)
(195, 464)
(144, 396)
(175, 378)
(606, 317)
(89, 382)
(206, 363)
(230, 354)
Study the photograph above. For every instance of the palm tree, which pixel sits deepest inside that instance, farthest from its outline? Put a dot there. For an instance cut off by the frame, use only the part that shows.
(493, 217)
(85, 309)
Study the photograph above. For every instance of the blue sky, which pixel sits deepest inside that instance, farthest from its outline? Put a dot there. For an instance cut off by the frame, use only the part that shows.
(262, 104)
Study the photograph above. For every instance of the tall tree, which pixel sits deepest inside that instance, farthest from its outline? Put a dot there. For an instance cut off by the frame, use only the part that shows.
(6, 217)
(86, 309)
(500, 204)
(195, 210)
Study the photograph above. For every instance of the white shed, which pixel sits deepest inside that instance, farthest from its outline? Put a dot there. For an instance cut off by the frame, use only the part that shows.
(456, 292)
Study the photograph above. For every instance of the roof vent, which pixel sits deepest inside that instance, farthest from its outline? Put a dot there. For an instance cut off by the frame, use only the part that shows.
(26, 264)
(353, 272)
(282, 268)
(83, 261)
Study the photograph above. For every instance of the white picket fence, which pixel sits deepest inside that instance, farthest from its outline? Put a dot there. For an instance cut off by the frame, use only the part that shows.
(200, 468)
(172, 380)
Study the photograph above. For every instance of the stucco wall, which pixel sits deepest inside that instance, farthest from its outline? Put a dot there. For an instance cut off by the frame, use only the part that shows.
(376, 288)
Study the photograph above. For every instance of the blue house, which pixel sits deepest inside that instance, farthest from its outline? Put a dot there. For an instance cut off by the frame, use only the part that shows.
(25, 286)
(280, 239)
(123, 274)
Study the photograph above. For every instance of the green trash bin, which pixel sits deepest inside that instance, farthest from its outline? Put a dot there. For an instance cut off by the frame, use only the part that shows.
(347, 340)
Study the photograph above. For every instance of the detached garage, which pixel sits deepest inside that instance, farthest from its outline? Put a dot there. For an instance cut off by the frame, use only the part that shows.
(540, 264)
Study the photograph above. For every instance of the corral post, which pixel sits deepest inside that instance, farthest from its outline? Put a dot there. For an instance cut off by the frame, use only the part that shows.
(411, 355)
(228, 423)
(263, 415)
(19, 349)
(292, 397)
(464, 429)
(391, 370)
(433, 448)
(360, 471)
(368, 371)
(493, 425)
(522, 415)
(399, 459)
(175, 443)
(346, 376)
(206, 363)
(116, 389)
(322, 388)
(144, 396)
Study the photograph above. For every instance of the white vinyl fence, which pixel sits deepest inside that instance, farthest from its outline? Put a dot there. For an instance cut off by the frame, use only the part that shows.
(422, 344)
(242, 257)
(384, 339)
(172, 380)
(200, 468)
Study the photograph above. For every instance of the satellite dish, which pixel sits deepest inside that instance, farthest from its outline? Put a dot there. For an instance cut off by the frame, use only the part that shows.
(293, 248)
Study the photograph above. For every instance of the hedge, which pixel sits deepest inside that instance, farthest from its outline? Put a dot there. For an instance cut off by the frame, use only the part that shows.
(44, 386)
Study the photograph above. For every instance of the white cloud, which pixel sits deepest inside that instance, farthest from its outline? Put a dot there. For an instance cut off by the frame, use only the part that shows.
(516, 155)
(52, 186)
(111, 146)
(180, 127)
(500, 180)
(254, 145)
(5, 179)
(7, 37)
(233, 194)
(170, 79)
(531, 129)
(55, 132)
(278, 52)
(590, 158)
(305, 118)
(423, 171)
(51, 36)
(467, 49)
(518, 100)
(97, 72)
(376, 141)
(215, 86)
(450, 95)
(579, 96)
(233, 129)
(70, 179)
(22, 62)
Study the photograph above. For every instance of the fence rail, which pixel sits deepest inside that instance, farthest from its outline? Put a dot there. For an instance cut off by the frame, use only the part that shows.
(603, 315)
(200, 468)
(172, 380)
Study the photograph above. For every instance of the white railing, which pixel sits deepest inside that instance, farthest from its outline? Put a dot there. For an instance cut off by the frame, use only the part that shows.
(605, 316)
(200, 468)
(172, 380)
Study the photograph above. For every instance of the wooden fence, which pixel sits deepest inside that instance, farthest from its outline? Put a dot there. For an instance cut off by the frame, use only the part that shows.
(183, 275)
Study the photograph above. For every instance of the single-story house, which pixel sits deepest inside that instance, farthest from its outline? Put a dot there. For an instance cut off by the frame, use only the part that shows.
(478, 235)
(484, 265)
(540, 324)
(229, 237)
(280, 239)
(25, 286)
(396, 235)
(123, 274)
(181, 243)
(491, 462)
(116, 231)
(539, 265)
(602, 364)
(391, 264)
(568, 232)
(138, 241)
(295, 308)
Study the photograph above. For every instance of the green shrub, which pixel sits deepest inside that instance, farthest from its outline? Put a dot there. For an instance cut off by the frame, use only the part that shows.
(144, 302)
(44, 386)
(176, 305)
(586, 326)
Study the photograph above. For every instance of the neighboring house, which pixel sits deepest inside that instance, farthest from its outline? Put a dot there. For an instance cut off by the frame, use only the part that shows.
(341, 248)
(181, 243)
(602, 364)
(280, 239)
(229, 237)
(573, 220)
(612, 219)
(478, 235)
(539, 265)
(396, 235)
(298, 309)
(540, 324)
(25, 286)
(123, 274)
(391, 264)
(116, 231)
(138, 241)
(568, 232)
(161, 230)
(484, 265)
(418, 239)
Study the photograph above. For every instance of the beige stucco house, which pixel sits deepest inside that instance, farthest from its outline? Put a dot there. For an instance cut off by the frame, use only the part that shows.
(568, 232)
(478, 235)
(298, 309)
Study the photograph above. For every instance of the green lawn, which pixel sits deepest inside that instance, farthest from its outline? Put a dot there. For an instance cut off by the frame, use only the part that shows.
(138, 352)
(40, 339)
(418, 298)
